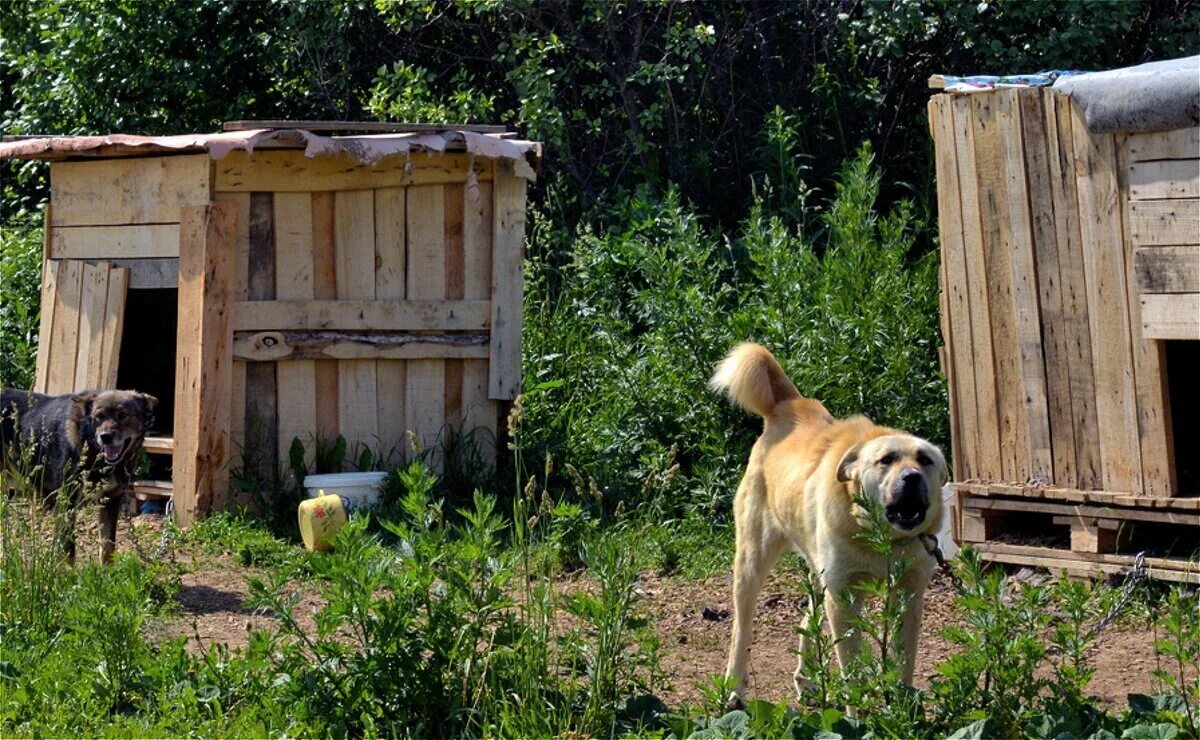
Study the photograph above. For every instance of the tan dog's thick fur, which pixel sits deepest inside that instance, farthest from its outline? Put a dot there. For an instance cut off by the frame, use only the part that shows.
(798, 492)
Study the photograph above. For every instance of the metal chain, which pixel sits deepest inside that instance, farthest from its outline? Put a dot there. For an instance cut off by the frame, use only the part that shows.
(1133, 578)
(168, 517)
(931, 546)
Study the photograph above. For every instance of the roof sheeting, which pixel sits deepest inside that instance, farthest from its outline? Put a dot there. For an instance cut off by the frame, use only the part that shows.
(366, 149)
(1149, 97)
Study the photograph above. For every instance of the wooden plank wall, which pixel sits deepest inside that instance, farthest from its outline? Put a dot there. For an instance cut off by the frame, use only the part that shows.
(1163, 213)
(1051, 381)
(367, 304)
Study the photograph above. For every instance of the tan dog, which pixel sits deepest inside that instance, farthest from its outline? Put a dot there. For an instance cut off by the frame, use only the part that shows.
(797, 491)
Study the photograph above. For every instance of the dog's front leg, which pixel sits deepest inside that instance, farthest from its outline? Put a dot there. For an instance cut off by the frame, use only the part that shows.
(843, 607)
(914, 584)
(110, 509)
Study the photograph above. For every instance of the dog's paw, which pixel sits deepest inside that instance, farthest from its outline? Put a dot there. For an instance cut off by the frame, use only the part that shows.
(734, 701)
(804, 687)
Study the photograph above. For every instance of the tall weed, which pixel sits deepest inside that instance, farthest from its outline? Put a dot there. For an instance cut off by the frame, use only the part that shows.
(617, 360)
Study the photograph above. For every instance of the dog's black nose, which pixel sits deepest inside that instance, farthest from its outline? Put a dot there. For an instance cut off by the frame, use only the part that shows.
(106, 438)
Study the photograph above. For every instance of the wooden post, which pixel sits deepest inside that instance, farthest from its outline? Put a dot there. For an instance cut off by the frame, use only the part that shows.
(508, 282)
(204, 358)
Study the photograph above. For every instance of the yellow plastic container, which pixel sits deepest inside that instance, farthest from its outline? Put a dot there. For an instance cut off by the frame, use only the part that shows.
(320, 517)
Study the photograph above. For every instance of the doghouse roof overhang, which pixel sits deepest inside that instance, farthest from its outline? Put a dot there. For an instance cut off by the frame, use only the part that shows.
(1156, 96)
(366, 148)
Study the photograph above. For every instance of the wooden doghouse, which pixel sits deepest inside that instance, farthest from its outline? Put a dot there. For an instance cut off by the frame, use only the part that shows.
(1070, 314)
(271, 283)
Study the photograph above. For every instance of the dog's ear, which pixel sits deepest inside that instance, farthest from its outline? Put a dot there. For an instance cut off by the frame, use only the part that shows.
(148, 404)
(84, 400)
(848, 467)
(939, 462)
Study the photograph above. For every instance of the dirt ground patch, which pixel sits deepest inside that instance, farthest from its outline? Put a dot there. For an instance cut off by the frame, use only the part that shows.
(692, 617)
(695, 619)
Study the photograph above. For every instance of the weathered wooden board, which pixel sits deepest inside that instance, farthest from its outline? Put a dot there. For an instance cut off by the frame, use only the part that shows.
(1168, 178)
(64, 340)
(1149, 365)
(112, 242)
(1167, 269)
(1171, 316)
(1073, 288)
(325, 289)
(1104, 267)
(261, 416)
(282, 170)
(391, 256)
(960, 367)
(297, 407)
(1045, 255)
(1164, 222)
(427, 255)
(275, 346)
(362, 315)
(1018, 237)
(145, 190)
(508, 282)
(1181, 143)
(479, 412)
(354, 230)
(991, 157)
(988, 463)
(46, 310)
(204, 362)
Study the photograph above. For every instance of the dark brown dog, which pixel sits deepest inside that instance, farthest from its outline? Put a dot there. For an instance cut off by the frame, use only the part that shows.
(96, 434)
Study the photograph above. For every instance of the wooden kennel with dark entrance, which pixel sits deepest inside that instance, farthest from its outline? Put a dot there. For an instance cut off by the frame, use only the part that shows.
(1071, 318)
(274, 282)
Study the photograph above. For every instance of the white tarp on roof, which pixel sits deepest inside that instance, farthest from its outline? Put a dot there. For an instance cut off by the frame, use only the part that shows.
(1149, 97)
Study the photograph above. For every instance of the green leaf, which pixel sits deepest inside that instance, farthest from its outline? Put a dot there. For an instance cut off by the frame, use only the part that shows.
(1159, 731)
(974, 731)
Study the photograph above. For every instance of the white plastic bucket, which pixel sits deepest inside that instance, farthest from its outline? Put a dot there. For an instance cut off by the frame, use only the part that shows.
(362, 489)
(949, 512)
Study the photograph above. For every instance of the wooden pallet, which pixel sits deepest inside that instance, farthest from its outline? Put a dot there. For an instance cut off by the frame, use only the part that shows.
(1081, 538)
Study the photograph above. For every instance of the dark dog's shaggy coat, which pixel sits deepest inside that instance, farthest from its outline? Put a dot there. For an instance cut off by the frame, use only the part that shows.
(96, 435)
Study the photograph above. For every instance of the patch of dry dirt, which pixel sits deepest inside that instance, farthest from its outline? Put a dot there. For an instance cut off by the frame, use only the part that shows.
(694, 624)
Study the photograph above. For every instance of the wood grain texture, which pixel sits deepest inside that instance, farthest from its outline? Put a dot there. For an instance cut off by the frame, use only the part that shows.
(508, 282)
(110, 242)
(1042, 208)
(145, 190)
(1171, 316)
(1170, 178)
(295, 379)
(46, 309)
(1017, 232)
(92, 306)
(1180, 143)
(362, 315)
(282, 170)
(1149, 362)
(261, 451)
(1108, 309)
(64, 340)
(391, 261)
(204, 362)
(1167, 269)
(325, 288)
(990, 162)
(987, 464)
(425, 380)
(1164, 222)
(1073, 289)
(956, 312)
(354, 229)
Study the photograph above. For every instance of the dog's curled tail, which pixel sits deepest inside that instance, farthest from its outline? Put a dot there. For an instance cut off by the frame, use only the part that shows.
(752, 378)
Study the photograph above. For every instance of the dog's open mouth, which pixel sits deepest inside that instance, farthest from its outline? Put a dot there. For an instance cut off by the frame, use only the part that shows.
(114, 452)
(906, 513)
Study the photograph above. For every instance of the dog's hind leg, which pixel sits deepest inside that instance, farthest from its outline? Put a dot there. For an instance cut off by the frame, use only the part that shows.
(110, 509)
(759, 545)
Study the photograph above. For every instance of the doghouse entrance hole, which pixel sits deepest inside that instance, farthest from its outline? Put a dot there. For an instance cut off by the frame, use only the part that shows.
(1183, 359)
(147, 360)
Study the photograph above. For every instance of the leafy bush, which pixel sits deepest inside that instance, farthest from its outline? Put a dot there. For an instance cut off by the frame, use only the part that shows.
(20, 300)
(617, 365)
